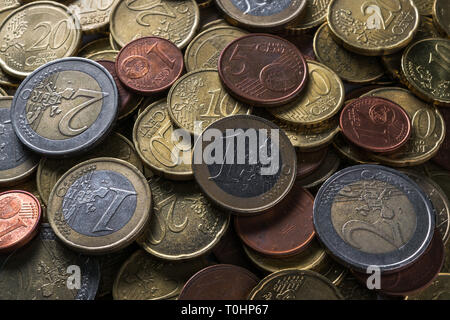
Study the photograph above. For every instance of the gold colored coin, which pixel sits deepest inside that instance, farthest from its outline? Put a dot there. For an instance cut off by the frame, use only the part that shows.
(35, 34)
(51, 170)
(428, 129)
(5, 9)
(93, 15)
(144, 277)
(350, 151)
(321, 174)
(378, 28)
(352, 289)
(6, 5)
(438, 290)
(425, 7)
(109, 55)
(176, 21)
(441, 16)
(185, 225)
(426, 66)
(200, 96)
(203, 52)
(348, 65)
(315, 14)
(152, 137)
(204, 3)
(319, 101)
(3, 92)
(95, 46)
(302, 284)
(214, 24)
(113, 44)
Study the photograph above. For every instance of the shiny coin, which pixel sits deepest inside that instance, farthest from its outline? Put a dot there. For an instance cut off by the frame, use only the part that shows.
(93, 15)
(258, 171)
(35, 34)
(438, 290)
(109, 55)
(441, 13)
(213, 24)
(263, 70)
(369, 215)
(65, 107)
(315, 14)
(373, 29)
(100, 206)
(95, 46)
(114, 45)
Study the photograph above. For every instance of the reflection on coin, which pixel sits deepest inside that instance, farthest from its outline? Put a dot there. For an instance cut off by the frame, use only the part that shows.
(93, 15)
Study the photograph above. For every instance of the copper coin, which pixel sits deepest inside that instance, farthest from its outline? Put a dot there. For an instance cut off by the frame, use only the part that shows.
(263, 70)
(308, 162)
(20, 213)
(304, 43)
(149, 65)
(417, 276)
(442, 157)
(219, 282)
(375, 124)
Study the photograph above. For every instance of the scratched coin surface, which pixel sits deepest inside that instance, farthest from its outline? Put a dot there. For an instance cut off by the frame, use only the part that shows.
(144, 277)
(20, 214)
(315, 14)
(93, 15)
(185, 224)
(426, 67)
(176, 21)
(294, 284)
(259, 170)
(441, 14)
(149, 65)
(152, 136)
(100, 206)
(263, 70)
(16, 161)
(37, 33)
(370, 215)
(438, 290)
(204, 50)
(373, 28)
(219, 282)
(115, 146)
(375, 124)
(269, 15)
(65, 107)
(40, 271)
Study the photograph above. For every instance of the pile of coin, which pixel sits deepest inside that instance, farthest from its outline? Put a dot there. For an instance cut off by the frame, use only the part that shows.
(226, 149)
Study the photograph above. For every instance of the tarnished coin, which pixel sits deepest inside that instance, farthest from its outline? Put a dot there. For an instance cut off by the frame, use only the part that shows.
(370, 215)
(348, 65)
(176, 21)
(426, 67)
(100, 206)
(323, 172)
(425, 7)
(308, 162)
(152, 136)
(93, 15)
(249, 166)
(219, 282)
(263, 70)
(428, 129)
(144, 277)
(199, 96)
(321, 99)
(51, 170)
(254, 14)
(294, 284)
(378, 28)
(109, 55)
(65, 107)
(185, 225)
(95, 46)
(149, 65)
(438, 290)
(441, 14)
(204, 50)
(352, 289)
(442, 157)
(16, 162)
(37, 33)
(40, 272)
(315, 14)
(20, 214)
(375, 124)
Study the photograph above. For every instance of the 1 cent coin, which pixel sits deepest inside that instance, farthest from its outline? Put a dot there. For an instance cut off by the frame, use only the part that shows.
(149, 65)
(263, 70)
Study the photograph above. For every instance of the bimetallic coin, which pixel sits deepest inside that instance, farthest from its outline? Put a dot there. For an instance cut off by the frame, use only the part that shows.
(348, 65)
(426, 67)
(110, 55)
(176, 21)
(269, 15)
(199, 96)
(20, 214)
(370, 215)
(325, 170)
(35, 34)
(321, 99)
(185, 224)
(65, 107)
(204, 50)
(315, 14)
(149, 65)
(373, 29)
(144, 277)
(441, 14)
(40, 272)
(93, 15)
(219, 282)
(51, 170)
(100, 206)
(294, 284)
(258, 170)
(152, 136)
(438, 290)
(95, 46)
